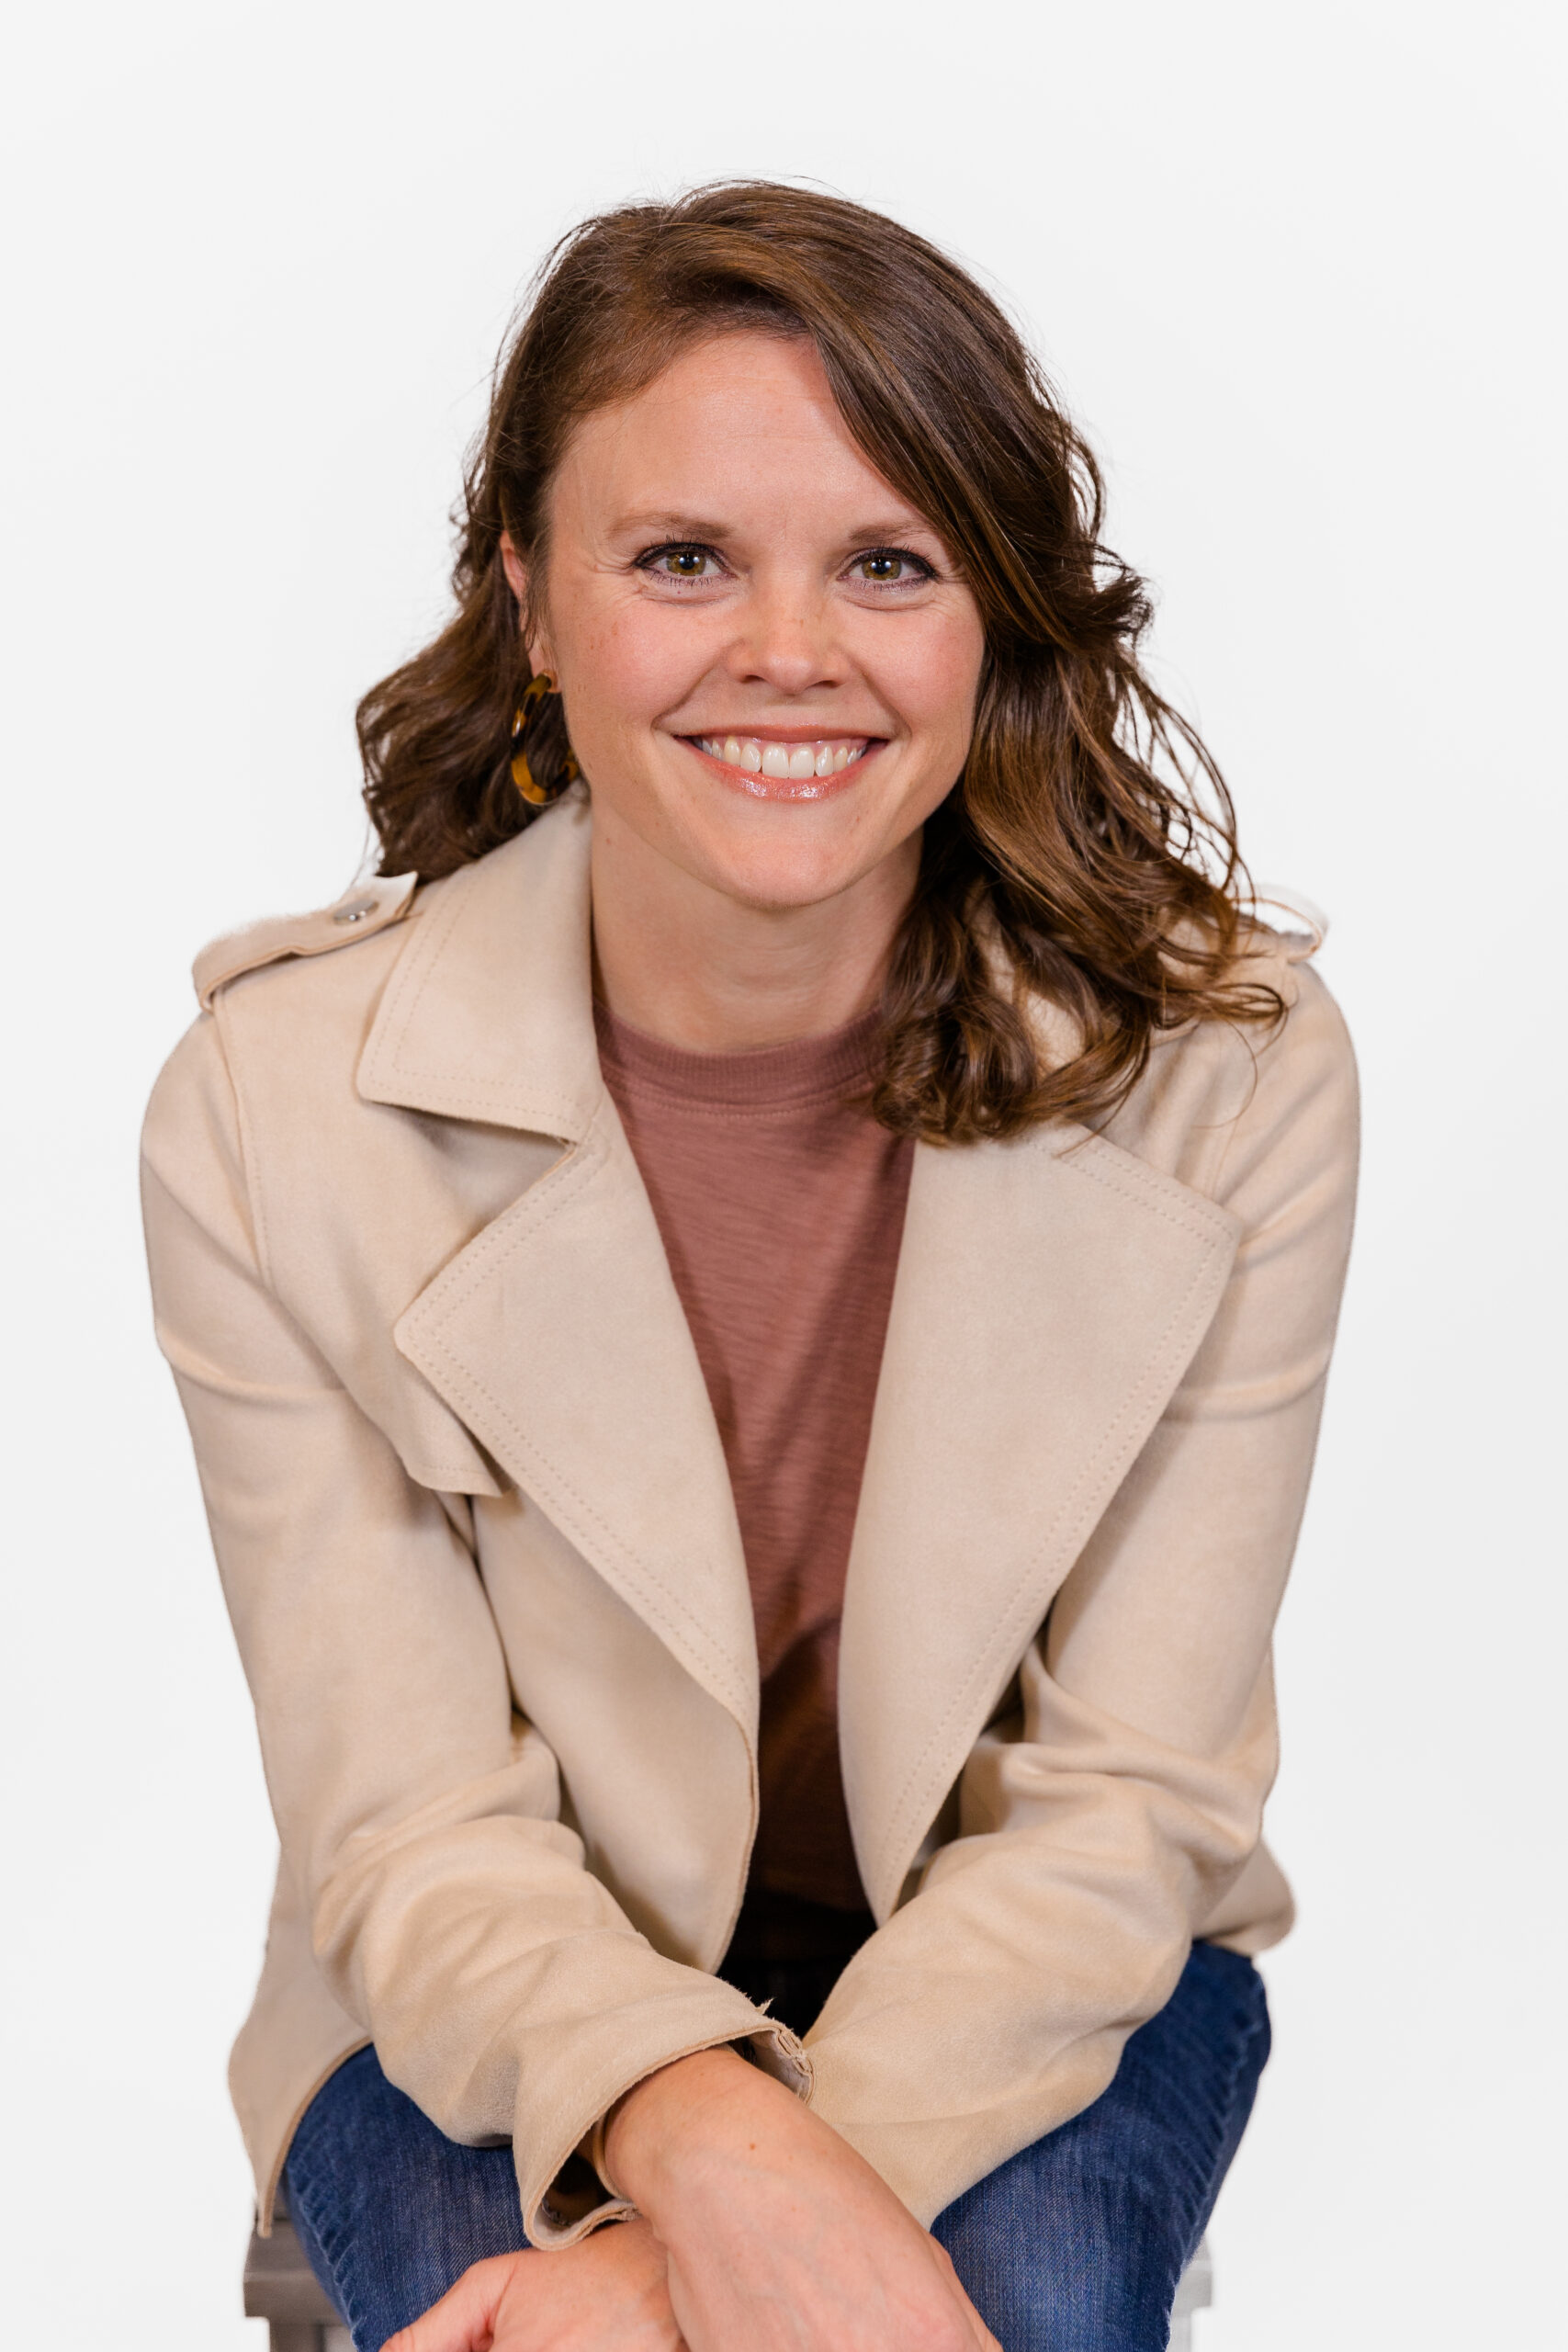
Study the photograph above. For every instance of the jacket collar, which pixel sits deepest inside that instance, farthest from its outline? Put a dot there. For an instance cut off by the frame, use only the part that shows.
(1050, 1294)
(490, 1013)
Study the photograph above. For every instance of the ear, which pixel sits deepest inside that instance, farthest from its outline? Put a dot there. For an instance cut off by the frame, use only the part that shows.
(517, 581)
(516, 576)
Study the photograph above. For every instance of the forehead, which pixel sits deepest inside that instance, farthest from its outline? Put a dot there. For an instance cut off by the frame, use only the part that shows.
(743, 417)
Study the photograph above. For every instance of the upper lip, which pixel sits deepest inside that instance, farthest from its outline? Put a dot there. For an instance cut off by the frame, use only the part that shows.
(785, 734)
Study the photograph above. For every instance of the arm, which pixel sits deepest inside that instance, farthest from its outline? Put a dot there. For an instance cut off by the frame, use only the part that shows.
(451, 1914)
(763, 2230)
(1101, 1827)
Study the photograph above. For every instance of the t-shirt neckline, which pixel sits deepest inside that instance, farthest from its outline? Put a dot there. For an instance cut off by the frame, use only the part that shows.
(807, 1069)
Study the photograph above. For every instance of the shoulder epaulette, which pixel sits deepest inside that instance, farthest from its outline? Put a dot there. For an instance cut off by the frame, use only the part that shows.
(369, 907)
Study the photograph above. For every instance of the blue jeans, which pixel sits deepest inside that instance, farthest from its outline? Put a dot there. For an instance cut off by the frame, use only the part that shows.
(1074, 2245)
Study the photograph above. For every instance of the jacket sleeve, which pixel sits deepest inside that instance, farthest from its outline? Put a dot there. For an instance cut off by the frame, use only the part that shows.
(1102, 1823)
(450, 1911)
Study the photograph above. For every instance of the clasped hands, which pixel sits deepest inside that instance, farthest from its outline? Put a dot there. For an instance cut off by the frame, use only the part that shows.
(758, 2230)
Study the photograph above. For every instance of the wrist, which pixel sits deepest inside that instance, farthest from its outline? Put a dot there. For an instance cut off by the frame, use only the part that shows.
(656, 2132)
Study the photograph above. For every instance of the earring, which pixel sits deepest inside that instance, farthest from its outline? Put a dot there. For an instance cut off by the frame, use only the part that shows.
(537, 796)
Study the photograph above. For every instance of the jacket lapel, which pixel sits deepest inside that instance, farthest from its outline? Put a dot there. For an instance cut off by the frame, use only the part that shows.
(557, 1335)
(1050, 1294)
(558, 1338)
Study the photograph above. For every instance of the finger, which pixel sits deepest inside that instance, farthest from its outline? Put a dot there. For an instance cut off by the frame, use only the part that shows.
(464, 2320)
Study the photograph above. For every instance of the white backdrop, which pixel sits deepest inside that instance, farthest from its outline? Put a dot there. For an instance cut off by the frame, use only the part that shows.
(1295, 268)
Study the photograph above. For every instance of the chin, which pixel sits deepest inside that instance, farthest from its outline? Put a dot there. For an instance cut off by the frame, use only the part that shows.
(782, 874)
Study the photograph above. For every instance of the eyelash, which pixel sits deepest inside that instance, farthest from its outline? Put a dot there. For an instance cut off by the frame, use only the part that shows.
(652, 557)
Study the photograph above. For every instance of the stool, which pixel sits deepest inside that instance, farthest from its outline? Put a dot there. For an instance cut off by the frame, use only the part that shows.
(1195, 2293)
(282, 2289)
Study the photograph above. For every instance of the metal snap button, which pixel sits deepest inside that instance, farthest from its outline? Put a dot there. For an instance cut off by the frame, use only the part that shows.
(356, 911)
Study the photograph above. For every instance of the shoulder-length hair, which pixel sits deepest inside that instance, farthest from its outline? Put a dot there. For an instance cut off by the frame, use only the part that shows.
(1087, 851)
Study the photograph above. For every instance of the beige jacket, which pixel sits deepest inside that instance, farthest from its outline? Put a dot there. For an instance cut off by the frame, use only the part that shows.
(478, 1546)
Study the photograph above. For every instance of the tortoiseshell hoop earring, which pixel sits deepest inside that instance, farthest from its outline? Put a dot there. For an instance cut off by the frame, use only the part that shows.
(537, 796)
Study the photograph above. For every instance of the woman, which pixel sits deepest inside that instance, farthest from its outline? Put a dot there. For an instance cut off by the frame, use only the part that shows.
(753, 1320)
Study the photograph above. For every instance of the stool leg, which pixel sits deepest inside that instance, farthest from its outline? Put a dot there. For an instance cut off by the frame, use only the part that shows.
(295, 2335)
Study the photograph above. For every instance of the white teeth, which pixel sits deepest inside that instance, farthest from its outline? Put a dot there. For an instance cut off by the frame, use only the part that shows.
(755, 755)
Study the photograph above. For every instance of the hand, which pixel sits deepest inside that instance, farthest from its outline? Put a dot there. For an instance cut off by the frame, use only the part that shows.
(607, 2293)
(778, 2237)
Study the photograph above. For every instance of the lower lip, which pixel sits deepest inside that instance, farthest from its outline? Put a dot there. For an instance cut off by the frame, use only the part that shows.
(783, 787)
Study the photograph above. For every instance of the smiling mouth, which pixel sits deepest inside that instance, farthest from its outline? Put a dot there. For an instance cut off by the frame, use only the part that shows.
(761, 761)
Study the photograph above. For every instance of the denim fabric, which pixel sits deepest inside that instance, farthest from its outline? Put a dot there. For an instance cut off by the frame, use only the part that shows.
(1078, 2244)
(1075, 2245)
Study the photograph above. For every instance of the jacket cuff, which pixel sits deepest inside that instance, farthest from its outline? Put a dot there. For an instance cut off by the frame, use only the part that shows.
(577, 2195)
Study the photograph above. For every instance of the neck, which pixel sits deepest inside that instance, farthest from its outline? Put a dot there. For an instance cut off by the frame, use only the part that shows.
(686, 962)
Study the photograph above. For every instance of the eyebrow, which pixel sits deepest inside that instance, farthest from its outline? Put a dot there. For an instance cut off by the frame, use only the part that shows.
(664, 524)
(669, 525)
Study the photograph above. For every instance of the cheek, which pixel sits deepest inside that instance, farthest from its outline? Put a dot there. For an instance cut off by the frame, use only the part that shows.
(627, 665)
(930, 675)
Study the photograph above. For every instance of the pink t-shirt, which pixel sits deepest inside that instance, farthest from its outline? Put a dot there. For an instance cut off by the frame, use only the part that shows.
(781, 1204)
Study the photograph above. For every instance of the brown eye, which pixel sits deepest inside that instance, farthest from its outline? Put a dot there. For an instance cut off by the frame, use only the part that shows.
(889, 567)
(684, 563)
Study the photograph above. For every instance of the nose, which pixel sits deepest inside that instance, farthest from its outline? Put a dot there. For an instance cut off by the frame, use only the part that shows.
(786, 639)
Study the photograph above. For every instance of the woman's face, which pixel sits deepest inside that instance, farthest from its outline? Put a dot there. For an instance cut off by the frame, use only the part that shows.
(768, 661)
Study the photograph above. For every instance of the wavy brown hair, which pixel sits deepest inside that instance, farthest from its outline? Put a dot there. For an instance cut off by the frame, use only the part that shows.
(1087, 850)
